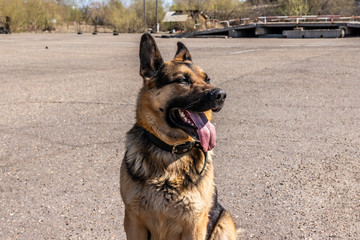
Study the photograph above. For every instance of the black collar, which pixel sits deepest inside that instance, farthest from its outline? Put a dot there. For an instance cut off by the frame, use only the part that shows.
(176, 149)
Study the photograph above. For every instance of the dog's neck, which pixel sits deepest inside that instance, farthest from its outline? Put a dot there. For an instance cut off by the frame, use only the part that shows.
(175, 149)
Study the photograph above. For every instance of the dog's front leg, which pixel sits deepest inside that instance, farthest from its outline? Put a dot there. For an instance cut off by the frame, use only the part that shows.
(134, 228)
(197, 230)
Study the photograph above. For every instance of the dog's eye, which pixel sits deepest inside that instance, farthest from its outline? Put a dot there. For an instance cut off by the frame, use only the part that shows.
(184, 80)
(207, 80)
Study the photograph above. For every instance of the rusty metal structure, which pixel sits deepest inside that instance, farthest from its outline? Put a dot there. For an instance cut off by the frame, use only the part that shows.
(320, 26)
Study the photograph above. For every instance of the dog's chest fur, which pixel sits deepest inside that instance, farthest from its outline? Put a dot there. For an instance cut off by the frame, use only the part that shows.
(163, 184)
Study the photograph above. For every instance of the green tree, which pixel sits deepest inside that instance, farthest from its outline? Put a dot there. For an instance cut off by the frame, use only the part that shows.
(95, 12)
(136, 13)
(227, 9)
(296, 8)
(36, 16)
(202, 5)
(116, 15)
(15, 9)
(341, 7)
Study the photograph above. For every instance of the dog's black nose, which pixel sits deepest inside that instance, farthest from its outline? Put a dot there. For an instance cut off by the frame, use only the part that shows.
(218, 95)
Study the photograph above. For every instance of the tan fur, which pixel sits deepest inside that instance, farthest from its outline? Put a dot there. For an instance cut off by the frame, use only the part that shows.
(189, 212)
(171, 199)
(225, 228)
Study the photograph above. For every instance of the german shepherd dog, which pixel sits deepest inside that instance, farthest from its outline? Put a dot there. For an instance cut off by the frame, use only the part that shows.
(167, 176)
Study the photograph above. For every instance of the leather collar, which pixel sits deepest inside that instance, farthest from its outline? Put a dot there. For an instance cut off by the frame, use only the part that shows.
(176, 149)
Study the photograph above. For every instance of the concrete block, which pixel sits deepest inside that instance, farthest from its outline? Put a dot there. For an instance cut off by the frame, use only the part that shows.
(317, 33)
(262, 31)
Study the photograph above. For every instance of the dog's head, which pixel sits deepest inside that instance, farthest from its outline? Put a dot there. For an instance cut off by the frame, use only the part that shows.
(177, 99)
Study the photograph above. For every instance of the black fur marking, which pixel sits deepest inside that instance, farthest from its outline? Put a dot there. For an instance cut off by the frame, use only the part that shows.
(189, 65)
(162, 79)
(214, 215)
(197, 100)
(144, 147)
(194, 101)
(131, 171)
(150, 57)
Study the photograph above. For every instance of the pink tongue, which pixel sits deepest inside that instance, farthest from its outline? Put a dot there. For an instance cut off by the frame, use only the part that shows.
(205, 130)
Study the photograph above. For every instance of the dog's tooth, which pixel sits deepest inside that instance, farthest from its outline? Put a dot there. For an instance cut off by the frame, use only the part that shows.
(181, 113)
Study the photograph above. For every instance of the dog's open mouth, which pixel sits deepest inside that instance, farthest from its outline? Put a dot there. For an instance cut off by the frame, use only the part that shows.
(196, 125)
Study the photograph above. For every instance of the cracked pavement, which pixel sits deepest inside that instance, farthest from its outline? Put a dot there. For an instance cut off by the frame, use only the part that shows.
(287, 156)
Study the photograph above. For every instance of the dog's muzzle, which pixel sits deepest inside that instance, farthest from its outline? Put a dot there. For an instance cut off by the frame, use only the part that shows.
(218, 96)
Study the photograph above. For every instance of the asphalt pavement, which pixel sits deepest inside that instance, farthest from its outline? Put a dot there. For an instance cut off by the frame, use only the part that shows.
(287, 158)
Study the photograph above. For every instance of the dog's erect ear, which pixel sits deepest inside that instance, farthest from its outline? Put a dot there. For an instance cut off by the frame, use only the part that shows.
(150, 57)
(182, 53)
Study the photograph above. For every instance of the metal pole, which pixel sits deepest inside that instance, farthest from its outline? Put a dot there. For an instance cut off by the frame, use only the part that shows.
(157, 26)
(145, 15)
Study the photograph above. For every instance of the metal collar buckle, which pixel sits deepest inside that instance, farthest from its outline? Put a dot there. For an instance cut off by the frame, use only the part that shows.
(182, 148)
(174, 150)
